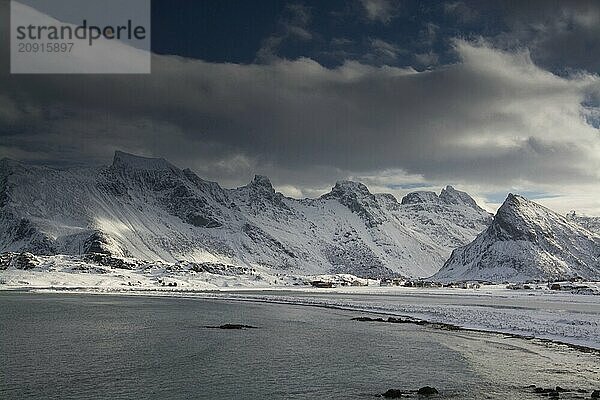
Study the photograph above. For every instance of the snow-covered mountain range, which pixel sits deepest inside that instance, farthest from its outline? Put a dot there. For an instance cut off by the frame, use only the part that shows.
(527, 241)
(148, 209)
(149, 212)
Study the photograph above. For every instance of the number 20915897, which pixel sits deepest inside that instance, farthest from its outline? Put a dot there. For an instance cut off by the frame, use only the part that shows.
(45, 47)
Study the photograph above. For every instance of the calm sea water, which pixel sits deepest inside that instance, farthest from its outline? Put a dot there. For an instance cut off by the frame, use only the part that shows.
(61, 346)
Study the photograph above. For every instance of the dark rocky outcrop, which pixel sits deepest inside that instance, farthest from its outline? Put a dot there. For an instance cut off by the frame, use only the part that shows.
(233, 326)
(24, 261)
(449, 195)
(110, 261)
(398, 320)
(394, 394)
(427, 391)
(368, 319)
(555, 392)
(263, 238)
(420, 197)
(398, 393)
(97, 243)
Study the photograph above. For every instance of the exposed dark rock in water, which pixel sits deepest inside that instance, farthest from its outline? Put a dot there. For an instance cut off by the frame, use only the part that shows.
(554, 393)
(394, 394)
(398, 394)
(398, 320)
(232, 326)
(427, 391)
(392, 320)
(546, 392)
(368, 319)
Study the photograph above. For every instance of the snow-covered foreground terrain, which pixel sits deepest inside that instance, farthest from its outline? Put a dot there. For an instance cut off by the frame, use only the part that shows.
(541, 313)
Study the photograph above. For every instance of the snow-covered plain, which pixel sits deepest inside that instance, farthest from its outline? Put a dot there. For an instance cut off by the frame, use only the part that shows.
(565, 317)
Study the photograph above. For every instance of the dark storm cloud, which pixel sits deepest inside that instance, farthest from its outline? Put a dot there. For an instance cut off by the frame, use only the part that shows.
(560, 34)
(493, 119)
(492, 112)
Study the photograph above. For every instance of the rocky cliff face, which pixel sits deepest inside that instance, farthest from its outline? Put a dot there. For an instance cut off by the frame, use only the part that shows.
(149, 209)
(526, 241)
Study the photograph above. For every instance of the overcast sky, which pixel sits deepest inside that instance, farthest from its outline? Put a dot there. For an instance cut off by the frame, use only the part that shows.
(491, 97)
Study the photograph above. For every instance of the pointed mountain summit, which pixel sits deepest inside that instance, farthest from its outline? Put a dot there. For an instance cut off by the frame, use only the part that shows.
(343, 188)
(357, 197)
(450, 195)
(262, 182)
(526, 241)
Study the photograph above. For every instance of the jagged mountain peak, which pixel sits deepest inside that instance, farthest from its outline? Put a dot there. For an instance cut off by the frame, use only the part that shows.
(522, 219)
(262, 182)
(357, 197)
(516, 200)
(347, 192)
(514, 204)
(420, 197)
(452, 196)
(129, 161)
(448, 195)
(345, 187)
(526, 241)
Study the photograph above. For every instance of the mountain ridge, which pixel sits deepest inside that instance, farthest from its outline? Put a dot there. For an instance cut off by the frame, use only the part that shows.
(149, 209)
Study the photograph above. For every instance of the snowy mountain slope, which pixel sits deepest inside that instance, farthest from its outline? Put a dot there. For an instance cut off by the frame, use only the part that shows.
(149, 209)
(526, 241)
(592, 224)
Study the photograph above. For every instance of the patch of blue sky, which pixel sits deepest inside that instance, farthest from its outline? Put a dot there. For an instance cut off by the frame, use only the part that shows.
(499, 197)
(409, 186)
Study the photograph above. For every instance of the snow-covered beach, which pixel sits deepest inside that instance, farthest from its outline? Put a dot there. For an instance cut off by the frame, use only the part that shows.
(539, 312)
(565, 318)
